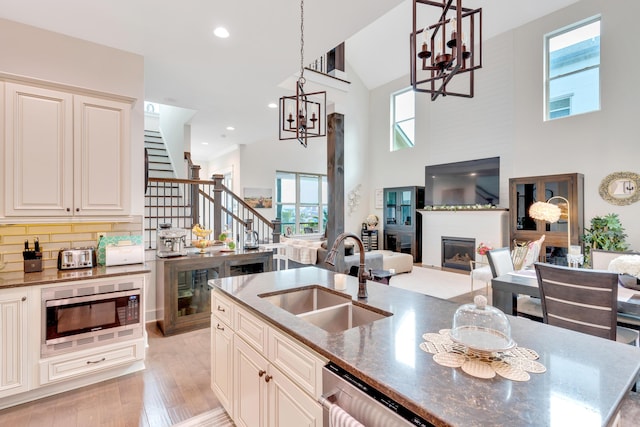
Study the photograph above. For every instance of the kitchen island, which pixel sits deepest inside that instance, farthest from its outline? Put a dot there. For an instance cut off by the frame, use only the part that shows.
(585, 381)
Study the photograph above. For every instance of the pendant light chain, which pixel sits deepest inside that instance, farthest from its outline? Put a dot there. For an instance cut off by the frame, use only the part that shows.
(301, 79)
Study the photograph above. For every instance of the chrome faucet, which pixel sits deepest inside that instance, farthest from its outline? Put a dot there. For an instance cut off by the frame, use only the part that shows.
(362, 275)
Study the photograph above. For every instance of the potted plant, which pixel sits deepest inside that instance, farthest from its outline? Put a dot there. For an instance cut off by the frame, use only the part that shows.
(606, 233)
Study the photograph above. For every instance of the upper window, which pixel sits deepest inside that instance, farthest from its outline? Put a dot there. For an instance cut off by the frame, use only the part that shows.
(403, 120)
(573, 70)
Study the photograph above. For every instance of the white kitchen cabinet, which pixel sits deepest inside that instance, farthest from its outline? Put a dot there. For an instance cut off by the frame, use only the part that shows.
(250, 380)
(13, 342)
(65, 154)
(222, 363)
(264, 396)
(81, 363)
(275, 380)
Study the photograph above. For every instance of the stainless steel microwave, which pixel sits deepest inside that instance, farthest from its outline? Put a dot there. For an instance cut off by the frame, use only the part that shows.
(85, 321)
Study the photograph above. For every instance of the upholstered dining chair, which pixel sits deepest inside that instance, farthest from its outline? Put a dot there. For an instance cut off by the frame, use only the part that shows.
(582, 300)
(501, 263)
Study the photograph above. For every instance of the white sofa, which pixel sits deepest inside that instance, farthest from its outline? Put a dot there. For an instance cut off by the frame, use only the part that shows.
(311, 252)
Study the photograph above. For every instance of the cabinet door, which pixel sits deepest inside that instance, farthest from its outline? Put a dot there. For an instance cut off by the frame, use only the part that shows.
(101, 158)
(250, 387)
(222, 363)
(38, 170)
(289, 406)
(13, 343)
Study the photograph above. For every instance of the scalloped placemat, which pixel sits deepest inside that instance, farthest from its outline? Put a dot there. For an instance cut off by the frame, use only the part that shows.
(515, 364)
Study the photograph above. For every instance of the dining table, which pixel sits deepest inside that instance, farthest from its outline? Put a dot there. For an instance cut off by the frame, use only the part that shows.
(506, 288)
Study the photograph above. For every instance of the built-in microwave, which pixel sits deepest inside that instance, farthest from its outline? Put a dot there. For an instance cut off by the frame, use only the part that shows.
(74, 322)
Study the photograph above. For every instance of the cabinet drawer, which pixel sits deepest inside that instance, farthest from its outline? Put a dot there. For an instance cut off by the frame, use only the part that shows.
(301, 365)
(251, 329)
(74, 365)
(222, 308)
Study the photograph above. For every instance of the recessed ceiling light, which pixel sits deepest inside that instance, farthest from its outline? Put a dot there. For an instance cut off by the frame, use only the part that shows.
(272, 105)
(205, 143)
(230, 128)
(221, 32)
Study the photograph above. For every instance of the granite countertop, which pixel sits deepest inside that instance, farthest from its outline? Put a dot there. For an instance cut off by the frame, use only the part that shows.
(586, 377)
(51, 275)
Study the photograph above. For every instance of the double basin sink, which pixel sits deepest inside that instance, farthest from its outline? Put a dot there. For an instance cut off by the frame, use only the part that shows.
(327, 309)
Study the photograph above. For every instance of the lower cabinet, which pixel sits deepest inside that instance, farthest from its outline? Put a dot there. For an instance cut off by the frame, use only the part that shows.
(13, 342)
(222, 363)
(78, 364)
(264, 396)
(249, 358)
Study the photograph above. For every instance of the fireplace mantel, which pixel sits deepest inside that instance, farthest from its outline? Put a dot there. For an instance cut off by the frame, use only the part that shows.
(490, 226)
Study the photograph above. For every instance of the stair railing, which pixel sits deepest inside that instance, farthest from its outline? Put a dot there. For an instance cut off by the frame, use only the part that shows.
(186, 202)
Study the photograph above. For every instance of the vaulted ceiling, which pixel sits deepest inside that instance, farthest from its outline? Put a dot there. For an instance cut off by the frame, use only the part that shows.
(230, 82)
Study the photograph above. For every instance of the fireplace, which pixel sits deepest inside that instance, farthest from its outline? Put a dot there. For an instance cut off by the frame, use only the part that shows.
(457, 252)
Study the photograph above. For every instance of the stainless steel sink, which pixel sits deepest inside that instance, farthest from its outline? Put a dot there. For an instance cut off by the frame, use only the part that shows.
(342, 317)
(306, 299)
(324, 308)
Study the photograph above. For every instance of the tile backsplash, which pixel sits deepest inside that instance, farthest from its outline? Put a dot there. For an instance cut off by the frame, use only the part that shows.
(54, 237)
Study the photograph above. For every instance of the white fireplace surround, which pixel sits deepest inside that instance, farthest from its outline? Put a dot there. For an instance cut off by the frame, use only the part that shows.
(488, 226)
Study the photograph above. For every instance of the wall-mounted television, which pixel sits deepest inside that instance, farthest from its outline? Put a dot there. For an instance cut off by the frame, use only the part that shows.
(463, 183)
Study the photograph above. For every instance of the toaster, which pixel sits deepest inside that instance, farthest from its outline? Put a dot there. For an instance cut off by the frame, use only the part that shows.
(69, 259)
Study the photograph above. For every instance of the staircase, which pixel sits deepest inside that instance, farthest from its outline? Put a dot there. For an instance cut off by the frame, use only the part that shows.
(186, 202)
(159, 162)
(164, 203)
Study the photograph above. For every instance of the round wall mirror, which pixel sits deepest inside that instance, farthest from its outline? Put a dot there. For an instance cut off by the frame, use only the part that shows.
(621, 188)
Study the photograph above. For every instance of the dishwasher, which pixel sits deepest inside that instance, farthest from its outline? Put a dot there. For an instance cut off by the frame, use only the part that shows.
(363, 402)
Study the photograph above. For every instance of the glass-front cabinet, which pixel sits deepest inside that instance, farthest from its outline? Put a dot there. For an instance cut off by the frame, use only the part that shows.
(402, 222)
(565, 191)
(183, 296)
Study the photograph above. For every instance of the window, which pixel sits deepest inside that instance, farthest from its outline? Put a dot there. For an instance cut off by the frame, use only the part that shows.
(301, 202)
(403, 114)
(573, 70)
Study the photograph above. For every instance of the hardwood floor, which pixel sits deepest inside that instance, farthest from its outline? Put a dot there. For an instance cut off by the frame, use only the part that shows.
(174, 387)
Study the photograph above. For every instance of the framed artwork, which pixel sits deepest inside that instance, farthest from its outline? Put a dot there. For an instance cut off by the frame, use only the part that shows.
(378, 198)
(258, 198)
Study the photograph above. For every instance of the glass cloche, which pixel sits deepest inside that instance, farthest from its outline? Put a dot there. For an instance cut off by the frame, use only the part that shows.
(481, 327)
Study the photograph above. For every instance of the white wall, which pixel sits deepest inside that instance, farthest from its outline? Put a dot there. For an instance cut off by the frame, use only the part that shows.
(176, 135)
(505, 118)
(33, 52)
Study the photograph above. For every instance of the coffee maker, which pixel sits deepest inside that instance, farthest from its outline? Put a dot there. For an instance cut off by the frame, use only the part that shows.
(251, 240)
(171, 242)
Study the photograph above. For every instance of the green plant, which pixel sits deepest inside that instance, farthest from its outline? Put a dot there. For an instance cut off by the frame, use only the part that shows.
(606, 233)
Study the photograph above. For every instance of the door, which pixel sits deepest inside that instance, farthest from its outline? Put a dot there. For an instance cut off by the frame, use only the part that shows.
(13, 343)
(222, 363)
(38, 170)
(101, 156)
(289, 406)
(250, 392)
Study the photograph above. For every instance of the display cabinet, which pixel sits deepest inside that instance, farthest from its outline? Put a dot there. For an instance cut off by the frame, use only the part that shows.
(183, 296)
(525, 191)
(402, 222)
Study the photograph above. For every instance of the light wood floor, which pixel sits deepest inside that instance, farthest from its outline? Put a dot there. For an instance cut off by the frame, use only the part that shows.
(175, 386)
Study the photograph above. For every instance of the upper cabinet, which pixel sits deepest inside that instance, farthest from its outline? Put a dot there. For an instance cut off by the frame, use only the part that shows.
(65, 154)
(523, 192)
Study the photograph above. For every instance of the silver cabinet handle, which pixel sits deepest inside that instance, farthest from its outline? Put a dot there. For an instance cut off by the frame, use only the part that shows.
(90, 362)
